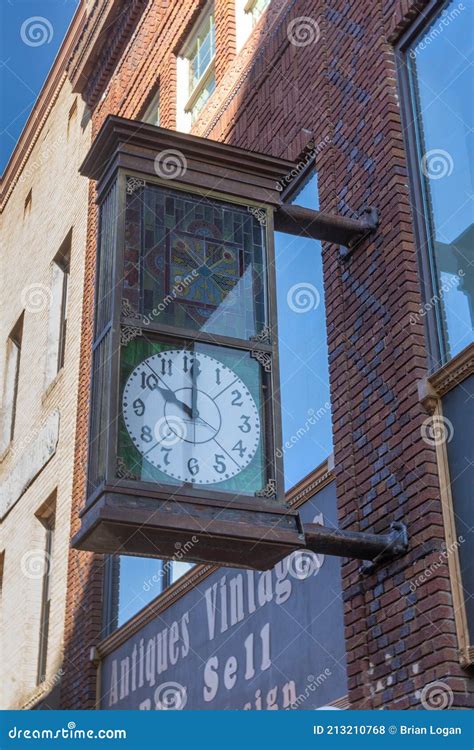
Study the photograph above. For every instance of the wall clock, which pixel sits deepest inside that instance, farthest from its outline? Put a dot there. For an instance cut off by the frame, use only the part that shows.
(191, 416)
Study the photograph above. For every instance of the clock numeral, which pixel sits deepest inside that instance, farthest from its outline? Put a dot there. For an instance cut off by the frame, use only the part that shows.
(240, 448)
(166, 367)
(166, 457)
(245, 426)
(220, 466)
(146, 434)
(218, 376)
(193, 466)
(237, 400)
(149, 381)
(138, 407)
(185, 363)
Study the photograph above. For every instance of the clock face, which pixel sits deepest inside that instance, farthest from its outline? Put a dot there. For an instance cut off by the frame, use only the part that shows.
(191, 416)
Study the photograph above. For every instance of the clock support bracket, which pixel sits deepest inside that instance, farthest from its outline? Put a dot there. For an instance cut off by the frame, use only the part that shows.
(373, 549)
(348, 233)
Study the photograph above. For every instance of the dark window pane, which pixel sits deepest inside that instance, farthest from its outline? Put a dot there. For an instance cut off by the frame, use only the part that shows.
(140, 580)
(304, 374)
(441, 78)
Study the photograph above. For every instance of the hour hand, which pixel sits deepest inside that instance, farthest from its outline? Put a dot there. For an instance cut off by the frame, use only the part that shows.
(170, 397)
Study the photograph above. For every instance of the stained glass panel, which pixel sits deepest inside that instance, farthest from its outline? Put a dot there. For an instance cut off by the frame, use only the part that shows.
(195, 263)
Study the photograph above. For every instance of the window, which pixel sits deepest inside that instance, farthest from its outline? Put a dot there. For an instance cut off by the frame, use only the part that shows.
(72, 115)
(195, 70)
(27, 205)
(436, 76)
(247, 15)
(255, 9)
(10, 383)
(46, 516)
(151, 114)
(57, 325)
(136, 581)
(304, 369)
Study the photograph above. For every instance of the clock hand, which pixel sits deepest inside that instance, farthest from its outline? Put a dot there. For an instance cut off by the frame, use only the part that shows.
(207, 423)
(170, 396)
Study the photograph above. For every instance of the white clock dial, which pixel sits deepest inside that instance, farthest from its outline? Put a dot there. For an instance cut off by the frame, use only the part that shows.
(191, 416)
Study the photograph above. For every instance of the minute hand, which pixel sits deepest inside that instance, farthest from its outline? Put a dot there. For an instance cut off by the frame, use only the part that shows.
(170, 396)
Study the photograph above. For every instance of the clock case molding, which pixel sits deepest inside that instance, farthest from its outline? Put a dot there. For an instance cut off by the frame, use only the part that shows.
(123, 515)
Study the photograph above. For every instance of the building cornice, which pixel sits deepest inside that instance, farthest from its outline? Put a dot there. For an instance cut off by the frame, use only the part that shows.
(108, 29)
(42, 107)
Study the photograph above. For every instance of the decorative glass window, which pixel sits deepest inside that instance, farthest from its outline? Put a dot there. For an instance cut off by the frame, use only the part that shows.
(302, 339)
(194, 262)
(195, 70)
(436, 79)
(151, 114)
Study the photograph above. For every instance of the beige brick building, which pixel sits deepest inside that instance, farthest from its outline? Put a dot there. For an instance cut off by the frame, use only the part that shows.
(43, 226)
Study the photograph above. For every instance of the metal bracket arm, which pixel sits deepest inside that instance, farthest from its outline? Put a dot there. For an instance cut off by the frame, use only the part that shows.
(357, 545)
(297, 220)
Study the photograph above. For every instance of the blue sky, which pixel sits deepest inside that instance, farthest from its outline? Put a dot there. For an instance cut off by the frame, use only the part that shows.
(31, 32)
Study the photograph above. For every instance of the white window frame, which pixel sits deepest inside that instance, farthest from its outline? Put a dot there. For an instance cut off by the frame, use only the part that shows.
(186, 98)
(245, 20)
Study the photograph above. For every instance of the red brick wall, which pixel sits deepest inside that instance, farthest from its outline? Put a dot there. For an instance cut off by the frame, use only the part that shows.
(342, 88)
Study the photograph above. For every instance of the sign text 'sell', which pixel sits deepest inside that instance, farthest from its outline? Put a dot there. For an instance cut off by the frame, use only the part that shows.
(185, 416)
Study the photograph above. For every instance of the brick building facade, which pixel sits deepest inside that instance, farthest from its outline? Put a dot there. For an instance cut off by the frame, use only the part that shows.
(316, 82)
(44, 221)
